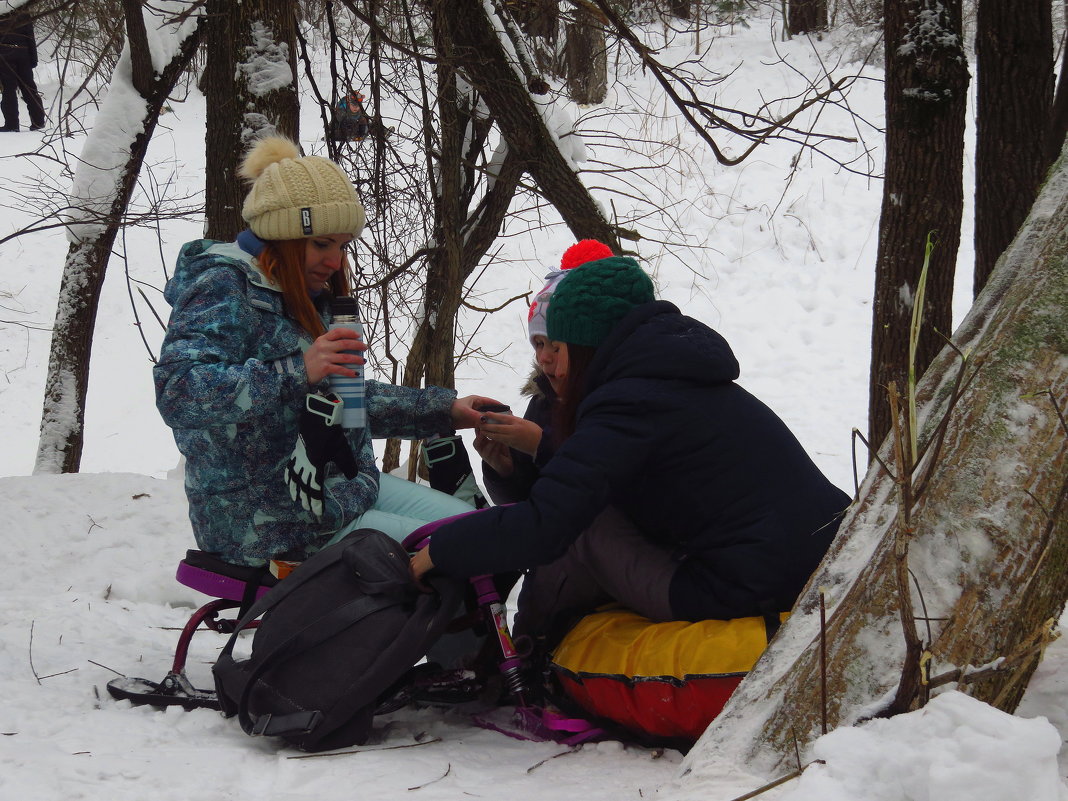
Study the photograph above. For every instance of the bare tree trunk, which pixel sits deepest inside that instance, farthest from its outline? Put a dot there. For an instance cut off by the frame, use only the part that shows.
(484, 61)
(251, 90)
(586, 59)
(926, 97)
(463, 234)
(444, 282)
(104, 182)
(1014, 44)
(988, 540)
(806, 16)
(680, 9)
(538, 19)
(1058, 128)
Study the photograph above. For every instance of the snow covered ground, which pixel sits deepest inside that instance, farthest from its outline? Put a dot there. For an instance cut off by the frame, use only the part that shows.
(778, 260)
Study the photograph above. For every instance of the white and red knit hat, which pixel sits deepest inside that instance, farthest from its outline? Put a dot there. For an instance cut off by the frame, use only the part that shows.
(580, 253)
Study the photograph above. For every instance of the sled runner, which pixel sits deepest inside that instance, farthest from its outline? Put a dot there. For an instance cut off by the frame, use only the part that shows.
(231, 587)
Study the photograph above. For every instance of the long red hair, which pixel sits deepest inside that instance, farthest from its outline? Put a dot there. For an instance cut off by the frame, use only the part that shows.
(573, 392)
(282, 261)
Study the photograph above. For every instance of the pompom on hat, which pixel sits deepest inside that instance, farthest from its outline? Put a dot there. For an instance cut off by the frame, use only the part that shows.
(294, 196)
(589, 303)
(586, 250)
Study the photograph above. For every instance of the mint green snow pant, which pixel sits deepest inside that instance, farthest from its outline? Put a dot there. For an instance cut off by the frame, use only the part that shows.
(402, 507)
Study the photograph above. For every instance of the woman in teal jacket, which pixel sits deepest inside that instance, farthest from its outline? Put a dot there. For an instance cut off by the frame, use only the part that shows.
(245, 345)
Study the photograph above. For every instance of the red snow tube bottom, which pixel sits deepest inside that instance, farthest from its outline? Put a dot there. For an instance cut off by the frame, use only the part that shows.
(664, 680)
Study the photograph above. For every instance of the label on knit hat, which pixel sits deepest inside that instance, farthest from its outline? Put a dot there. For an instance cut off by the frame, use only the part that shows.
(305, 221)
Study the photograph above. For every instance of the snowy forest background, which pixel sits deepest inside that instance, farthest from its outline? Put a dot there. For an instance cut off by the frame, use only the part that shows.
(778, 252)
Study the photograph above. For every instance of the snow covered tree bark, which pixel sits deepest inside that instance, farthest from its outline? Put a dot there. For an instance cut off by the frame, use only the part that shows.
(926, 97)
(103, 184)
(1058, 128)
(987, 533)
(1014, 49)
(485, 63)
(585, 58)
(251, 90)
(539, 20)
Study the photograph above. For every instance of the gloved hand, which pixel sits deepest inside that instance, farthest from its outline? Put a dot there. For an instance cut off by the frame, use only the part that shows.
(320, 440)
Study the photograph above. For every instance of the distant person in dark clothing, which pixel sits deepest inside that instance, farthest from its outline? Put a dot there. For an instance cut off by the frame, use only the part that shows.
(18, 57)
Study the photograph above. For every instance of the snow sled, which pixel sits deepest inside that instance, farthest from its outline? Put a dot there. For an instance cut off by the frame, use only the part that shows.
(659, 681)
(234, 587)
(231, 587)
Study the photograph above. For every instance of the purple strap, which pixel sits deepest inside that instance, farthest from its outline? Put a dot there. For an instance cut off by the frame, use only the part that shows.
(539, 725)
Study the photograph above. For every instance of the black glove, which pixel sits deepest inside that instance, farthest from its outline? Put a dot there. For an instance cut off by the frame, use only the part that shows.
(320, 440)
(449, 469)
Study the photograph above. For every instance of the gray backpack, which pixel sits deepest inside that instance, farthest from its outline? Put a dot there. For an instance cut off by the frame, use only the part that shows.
(337, 637)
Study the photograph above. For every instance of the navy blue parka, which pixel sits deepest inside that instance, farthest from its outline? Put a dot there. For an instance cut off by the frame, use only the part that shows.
(699, 465)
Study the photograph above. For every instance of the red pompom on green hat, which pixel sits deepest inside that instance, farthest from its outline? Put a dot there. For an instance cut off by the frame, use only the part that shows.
(588, 303)
(584, 251)
(579, 253)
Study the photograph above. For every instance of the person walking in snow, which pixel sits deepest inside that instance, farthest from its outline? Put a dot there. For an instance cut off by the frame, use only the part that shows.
(246, 353)
(18, 57)
(672, 490)
(352, 122)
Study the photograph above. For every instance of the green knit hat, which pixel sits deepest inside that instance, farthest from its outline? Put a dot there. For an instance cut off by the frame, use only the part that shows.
(593, 298)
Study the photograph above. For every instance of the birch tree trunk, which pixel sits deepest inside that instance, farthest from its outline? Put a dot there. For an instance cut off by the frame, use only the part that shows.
(989, 541)
(104, 182)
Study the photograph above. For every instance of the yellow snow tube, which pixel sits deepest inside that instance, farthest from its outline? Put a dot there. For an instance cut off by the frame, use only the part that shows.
(665, 680)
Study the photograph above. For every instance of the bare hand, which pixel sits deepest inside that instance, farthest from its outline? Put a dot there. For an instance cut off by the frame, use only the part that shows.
(419, 565)
(515, 432)
(326, 355)
(465, 413)
(496, 454)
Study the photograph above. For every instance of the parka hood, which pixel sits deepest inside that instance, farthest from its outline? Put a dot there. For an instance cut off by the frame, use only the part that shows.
(201, 255)
(657, 341)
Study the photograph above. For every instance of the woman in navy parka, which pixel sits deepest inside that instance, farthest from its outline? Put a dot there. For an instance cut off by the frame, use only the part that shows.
(672, 490)
(246, 343)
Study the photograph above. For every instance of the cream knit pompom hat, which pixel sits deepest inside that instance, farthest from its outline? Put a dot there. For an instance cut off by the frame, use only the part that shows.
(294, 196)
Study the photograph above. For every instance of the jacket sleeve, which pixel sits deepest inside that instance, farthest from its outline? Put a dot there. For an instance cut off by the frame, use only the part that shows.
(207, 374)
(595, 467)
(408, 412)
(514, 488)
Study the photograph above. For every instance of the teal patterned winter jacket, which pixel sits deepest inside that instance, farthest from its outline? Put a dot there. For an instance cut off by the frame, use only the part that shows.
(231, 382)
